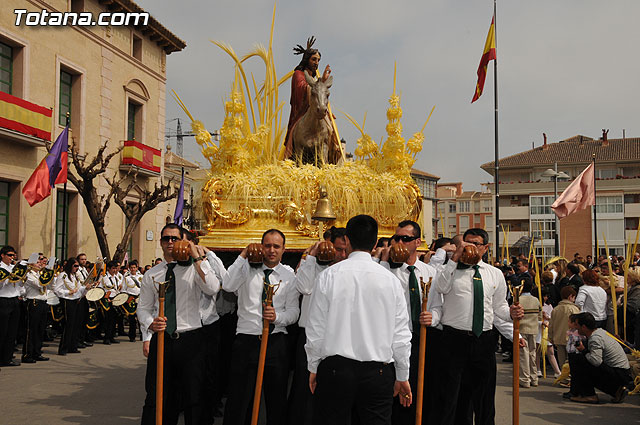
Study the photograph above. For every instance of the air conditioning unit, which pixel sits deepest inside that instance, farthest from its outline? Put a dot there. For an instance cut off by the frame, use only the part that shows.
(513, 197)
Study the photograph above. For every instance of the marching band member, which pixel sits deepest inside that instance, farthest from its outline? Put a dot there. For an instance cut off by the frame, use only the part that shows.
(111, 282)
(69, 290)
(83, 305)
(358, 338)
(309, 269)
(9, 310)
(184, 347)
(249, 283)
(132, 282)
(36, 295)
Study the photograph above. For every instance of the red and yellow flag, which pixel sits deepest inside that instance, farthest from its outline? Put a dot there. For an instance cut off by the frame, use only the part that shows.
(489, 53)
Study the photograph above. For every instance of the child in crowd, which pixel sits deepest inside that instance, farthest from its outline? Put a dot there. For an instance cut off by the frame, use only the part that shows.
(547, 310)
(558, 325)
(529, 331)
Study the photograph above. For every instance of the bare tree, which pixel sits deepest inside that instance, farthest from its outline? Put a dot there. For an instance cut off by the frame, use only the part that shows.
(88, 170)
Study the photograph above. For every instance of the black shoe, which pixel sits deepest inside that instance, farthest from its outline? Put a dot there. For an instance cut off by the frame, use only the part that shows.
(88, 344)
(106, 342)
(8, 364)
(28, 360)
(62, 353)
(508, 359)
(73, 351)
(567, 395)
(42, 358)
(114, 341)
(132, 340)
(82, 345)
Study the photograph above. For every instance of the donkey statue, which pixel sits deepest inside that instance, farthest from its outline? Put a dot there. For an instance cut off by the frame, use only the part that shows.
(313, 133)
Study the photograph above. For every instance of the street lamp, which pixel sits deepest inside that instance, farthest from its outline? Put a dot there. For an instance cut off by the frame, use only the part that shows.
(555, 176)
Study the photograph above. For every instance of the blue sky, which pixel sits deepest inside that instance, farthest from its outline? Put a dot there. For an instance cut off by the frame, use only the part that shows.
(565, 68)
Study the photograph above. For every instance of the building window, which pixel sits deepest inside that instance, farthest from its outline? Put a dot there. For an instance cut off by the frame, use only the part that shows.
(136, 48)
(66, 81)
(543, 229)
(464, 206)
(464, 222)
(6, 68)
(606, 173)
(486, 206)
(541, 205)
(4, 213)
(62, 198)
(609, 204)
(452, 207)
(632, 198)
(77, 6)
(631, 223)
(133, 121)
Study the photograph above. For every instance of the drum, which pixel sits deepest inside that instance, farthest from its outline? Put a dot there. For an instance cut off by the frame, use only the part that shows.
(52, 299)
(130, 306)
(95, 294)
(92, 320)
(120, 299)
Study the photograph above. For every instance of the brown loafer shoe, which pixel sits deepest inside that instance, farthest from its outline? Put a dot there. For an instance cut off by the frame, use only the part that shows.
(589, 399)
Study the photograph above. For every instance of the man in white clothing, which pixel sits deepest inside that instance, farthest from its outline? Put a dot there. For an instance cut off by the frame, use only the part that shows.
(358, 338)
(184, 348)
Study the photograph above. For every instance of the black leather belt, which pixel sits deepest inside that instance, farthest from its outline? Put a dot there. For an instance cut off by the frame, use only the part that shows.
(461, 332)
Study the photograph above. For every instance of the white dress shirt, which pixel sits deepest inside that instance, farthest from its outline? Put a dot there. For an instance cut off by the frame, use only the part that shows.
(188, 288)
(64, 284)
(32, 287)
(423, 270)
(132, 284)
(592, 299)
(358, 311)
(112, 284)
(8, 289)
(82, 274)
(456, 286)
(248, 282)
(208, 310)
(306, 275)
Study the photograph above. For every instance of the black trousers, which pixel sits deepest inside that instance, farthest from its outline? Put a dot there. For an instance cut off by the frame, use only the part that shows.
(9, 316)
(83, 315)
(300, 407)
(344, 385)
(242, 379)
(407, 415)
(69, 339)
(184, 360)
(228, 324)
(36, 322)
(132, 319)
(466, 373)
(109, 321)
(211, 334)
(585, 377)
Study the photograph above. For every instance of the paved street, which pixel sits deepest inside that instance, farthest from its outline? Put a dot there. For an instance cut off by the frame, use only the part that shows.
(104, 385)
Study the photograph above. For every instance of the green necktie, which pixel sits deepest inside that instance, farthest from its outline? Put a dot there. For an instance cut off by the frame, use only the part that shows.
(478, 302)
(170, 299)
(414, 297)
(267, 273)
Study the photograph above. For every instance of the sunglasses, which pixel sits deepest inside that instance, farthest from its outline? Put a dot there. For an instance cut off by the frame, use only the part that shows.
(169, 238)
(477, 243)
(11, 254)
(404, 238)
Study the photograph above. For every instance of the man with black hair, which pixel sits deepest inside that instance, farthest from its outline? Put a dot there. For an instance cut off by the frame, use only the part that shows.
(299, 407)
(184, 345)
(112, 284)
(9, 307)
(471, 295)
(601, 364)
(358, 338)
(573, 273)
(250, 285)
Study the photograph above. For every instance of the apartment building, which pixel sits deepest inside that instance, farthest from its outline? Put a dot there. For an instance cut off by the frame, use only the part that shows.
(526, 194)
(112, 82)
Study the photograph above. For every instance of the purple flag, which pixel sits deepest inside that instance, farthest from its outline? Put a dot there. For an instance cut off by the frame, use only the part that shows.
(177, 216)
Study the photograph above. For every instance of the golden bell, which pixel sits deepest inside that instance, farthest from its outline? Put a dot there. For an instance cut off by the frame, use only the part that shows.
(323, 211)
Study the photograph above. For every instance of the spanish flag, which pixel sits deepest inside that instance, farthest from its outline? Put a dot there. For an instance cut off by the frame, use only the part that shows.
(51, 171)
(489, 53)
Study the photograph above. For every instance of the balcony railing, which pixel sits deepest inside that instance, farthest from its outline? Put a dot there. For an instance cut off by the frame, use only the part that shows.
(23, 121)
(142, 158)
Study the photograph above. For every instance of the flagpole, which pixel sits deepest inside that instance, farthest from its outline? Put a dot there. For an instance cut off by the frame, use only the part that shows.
(595, 212)
(496, 178)
(64, 210)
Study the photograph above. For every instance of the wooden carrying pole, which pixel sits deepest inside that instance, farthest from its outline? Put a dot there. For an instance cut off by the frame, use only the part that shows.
(515, 292)
(160, 355)
(271, 290)
(423, 351)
